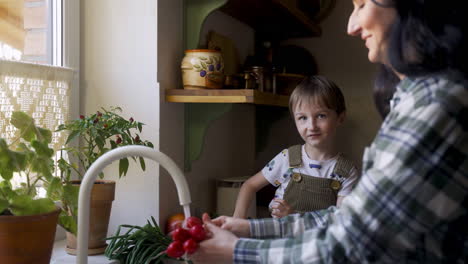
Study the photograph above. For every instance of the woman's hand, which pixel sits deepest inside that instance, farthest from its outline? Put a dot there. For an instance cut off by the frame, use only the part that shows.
(238, 226)
(280, 208)
(218, 248)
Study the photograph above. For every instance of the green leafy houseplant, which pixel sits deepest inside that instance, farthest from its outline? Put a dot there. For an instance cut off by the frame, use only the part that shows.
(27, 220)
(31, 157)
(99, 133)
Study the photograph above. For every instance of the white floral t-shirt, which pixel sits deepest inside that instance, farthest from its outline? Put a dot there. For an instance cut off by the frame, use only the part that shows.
(278, 172)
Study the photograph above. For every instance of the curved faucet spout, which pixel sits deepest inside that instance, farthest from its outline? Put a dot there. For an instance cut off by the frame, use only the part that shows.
(97, 167)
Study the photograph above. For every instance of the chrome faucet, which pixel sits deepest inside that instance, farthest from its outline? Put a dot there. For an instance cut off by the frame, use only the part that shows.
(97, 167)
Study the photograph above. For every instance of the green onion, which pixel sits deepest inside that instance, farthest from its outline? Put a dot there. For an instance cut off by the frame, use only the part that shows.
(138, 245)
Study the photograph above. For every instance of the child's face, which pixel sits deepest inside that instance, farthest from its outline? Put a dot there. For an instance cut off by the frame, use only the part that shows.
(317, 124)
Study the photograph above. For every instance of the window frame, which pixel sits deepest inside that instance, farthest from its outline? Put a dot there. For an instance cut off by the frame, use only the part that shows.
(69, 56)
(70, 48)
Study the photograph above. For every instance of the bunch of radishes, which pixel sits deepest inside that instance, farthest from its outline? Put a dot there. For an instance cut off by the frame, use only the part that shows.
(185, 240)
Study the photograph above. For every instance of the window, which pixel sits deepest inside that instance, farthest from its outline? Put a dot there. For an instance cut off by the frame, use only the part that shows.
(27, 30)
(40, 31)
(44, 32)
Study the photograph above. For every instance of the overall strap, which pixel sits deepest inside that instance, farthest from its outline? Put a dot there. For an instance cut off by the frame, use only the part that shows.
(343, 166)
(295, 156)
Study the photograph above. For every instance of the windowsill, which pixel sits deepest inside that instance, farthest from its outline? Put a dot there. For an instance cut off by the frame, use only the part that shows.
(60, 256)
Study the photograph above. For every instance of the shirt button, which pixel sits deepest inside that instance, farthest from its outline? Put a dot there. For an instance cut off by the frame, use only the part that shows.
(296, 177)
(335, 185)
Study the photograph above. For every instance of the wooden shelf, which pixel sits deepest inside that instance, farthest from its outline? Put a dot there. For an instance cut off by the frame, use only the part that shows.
(226, 96)
(279, 18)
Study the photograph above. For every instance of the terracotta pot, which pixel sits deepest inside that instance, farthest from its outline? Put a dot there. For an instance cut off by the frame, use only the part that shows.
(102, 195)
(202, 69)
(27, 239)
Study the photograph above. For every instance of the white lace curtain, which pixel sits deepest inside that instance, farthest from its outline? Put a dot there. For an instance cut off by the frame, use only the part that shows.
(39, 90)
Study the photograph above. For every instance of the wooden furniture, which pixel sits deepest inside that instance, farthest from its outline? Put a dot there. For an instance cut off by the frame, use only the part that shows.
(246, 96)
(280, 19)
(274, 19)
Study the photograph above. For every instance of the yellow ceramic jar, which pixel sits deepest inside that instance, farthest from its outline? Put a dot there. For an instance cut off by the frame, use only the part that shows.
(202, 69)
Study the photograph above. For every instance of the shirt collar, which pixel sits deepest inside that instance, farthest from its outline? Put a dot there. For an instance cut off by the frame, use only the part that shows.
(403, 87)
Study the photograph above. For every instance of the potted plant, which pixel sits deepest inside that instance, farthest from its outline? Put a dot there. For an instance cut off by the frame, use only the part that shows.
(27, 223)
(97, 134)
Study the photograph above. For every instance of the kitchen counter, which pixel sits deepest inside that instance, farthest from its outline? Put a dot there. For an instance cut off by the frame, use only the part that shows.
(60, 256)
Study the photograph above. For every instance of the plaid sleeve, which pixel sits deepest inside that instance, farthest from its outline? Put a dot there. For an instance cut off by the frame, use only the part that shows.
(410, 205)
(246, 252)
(288, 226)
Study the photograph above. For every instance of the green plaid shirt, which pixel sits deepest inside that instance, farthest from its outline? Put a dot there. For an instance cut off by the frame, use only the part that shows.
(411, 203)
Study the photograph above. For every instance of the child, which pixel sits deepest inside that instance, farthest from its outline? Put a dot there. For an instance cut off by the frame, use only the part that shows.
(315, 175)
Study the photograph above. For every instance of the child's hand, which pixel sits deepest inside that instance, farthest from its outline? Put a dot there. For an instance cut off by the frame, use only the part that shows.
(238, 226)
(280, 208)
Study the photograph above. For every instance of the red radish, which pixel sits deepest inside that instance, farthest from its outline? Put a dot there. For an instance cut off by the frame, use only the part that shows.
(190, 246)
(193, 221)
(197, 232)
(175, 249)
(180, 234)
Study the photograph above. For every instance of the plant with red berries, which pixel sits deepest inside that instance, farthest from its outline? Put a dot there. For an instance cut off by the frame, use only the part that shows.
(98, 133)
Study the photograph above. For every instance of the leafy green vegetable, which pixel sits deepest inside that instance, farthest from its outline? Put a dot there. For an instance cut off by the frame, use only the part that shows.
(138, 245)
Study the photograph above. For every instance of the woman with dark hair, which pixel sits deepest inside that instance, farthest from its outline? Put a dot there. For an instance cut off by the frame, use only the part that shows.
(411, 204)
(384, 87)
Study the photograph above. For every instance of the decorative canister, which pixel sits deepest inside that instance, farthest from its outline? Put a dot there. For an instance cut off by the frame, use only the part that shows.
(202, 68)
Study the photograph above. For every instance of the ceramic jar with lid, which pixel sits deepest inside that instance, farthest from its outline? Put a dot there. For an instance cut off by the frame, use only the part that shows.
(202, 69)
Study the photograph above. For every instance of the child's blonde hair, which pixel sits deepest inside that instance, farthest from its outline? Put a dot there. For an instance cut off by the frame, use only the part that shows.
(317, 90)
